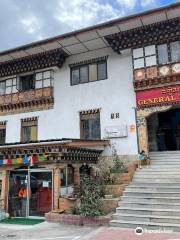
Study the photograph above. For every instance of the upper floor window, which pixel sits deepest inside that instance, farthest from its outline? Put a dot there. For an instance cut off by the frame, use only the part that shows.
(90, 125)
(161, 54)
(2, 132)
(175, 51)
(44, 79)
(89, 72)
(2, 87)
(26, 82)
(29, 129)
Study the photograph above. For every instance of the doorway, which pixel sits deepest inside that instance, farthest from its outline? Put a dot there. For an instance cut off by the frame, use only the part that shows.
(30, 192)
(164, 131)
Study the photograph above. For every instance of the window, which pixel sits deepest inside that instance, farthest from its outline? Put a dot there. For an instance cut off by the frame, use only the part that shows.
(2, 132)
(89, 73)
(29, 130)
(11, 86)
(144, 57)
(26, 82)
(67, 180)
(43, 79)
(162, 53)
(2, 87)
(175, 51)
(90, 126)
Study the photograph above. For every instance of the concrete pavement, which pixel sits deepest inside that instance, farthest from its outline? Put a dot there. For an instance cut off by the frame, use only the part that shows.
(55, 231)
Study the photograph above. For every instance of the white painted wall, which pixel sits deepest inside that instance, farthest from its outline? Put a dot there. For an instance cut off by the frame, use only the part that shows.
(115, 94)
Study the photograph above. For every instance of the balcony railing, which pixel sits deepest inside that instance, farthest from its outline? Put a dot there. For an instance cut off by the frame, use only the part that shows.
(31, 98)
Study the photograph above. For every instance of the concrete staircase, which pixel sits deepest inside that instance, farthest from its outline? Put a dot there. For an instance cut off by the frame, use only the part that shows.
(152, 200)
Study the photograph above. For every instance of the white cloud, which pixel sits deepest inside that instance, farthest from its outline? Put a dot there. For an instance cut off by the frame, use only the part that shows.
(145, 3)
(81, 13)
(128, 4)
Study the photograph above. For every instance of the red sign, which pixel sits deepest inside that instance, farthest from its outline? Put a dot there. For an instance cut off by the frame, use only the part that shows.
(158, 96)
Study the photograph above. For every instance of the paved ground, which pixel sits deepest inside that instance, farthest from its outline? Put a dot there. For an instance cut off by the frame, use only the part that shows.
(129, 234)
(53, 231)
(43, 231)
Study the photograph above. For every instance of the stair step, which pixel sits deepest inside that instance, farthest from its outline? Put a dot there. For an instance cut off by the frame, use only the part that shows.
(145, 225)
(154, 185)
(152, 189)
(152, 200)
(169, 206)
(148, 211)
(145, 194)
(147, 218)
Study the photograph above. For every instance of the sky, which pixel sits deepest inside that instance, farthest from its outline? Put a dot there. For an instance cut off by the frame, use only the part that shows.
(26, 21)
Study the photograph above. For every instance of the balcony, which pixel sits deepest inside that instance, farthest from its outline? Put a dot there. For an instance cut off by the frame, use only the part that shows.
(156, 75)
(31, 100)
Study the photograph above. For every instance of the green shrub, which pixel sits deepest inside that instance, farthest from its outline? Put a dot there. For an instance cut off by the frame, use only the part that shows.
(91, 204)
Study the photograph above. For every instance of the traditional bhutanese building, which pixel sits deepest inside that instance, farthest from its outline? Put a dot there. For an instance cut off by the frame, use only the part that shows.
(65, 100)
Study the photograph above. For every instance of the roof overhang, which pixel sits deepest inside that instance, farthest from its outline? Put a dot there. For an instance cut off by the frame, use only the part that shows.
(92, 38)
(52, 151)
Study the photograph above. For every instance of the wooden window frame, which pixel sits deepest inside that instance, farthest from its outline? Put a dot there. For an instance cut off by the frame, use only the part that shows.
(156, 46)
(81, 125)
(29, 123)
(3, 127)
(82, 65)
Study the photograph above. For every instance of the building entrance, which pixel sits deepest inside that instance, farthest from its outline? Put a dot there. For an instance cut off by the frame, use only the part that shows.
(164, 131)
(30, 192)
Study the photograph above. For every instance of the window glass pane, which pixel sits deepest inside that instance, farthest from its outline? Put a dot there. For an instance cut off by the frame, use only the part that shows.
(162, 53)
(2, 88)
(138, 52)
(75, 76)
(91, 127)
(92, 72)
(9, 82)
(26, 82)
(70, 178)
(39, 84)
(63, 177)
(102, 72)
(2, 136)
(26, 134)
(150, 61)
(47, 83)
(47, 74)
(139, 63)
(38, 76)
(150, 50)
(175, 51)
(14, 81)
(14, 89)
(8, 90)
(33, 133)
(84, 74)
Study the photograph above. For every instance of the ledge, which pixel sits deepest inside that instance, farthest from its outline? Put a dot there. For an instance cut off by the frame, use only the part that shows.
(35, 99)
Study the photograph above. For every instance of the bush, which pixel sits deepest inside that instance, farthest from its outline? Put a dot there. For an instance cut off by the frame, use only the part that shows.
(118, 166)
(91, 192)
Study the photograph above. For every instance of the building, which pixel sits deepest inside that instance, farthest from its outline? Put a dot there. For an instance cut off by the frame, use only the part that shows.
(65, 99)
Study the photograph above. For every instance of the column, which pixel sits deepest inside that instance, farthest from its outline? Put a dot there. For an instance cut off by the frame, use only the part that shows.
(57, 185)
(142, 134)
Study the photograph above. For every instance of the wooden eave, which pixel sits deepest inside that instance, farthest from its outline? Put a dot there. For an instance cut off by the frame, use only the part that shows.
(156, 33)
(34, 62)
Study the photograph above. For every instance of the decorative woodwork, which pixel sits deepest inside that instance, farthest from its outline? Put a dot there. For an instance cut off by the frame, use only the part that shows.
(51, 153)
(156, 33)
(34, 62)
(156, 76)
(30, 100)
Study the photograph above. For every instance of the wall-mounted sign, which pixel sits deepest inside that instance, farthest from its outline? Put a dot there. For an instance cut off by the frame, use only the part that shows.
(158, 96)
(132, 128)
(116, 131)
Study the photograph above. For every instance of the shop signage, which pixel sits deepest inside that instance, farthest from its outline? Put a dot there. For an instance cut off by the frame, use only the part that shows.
(158, 96)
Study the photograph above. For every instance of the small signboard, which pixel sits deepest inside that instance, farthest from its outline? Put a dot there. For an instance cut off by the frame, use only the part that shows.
(119, 131)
